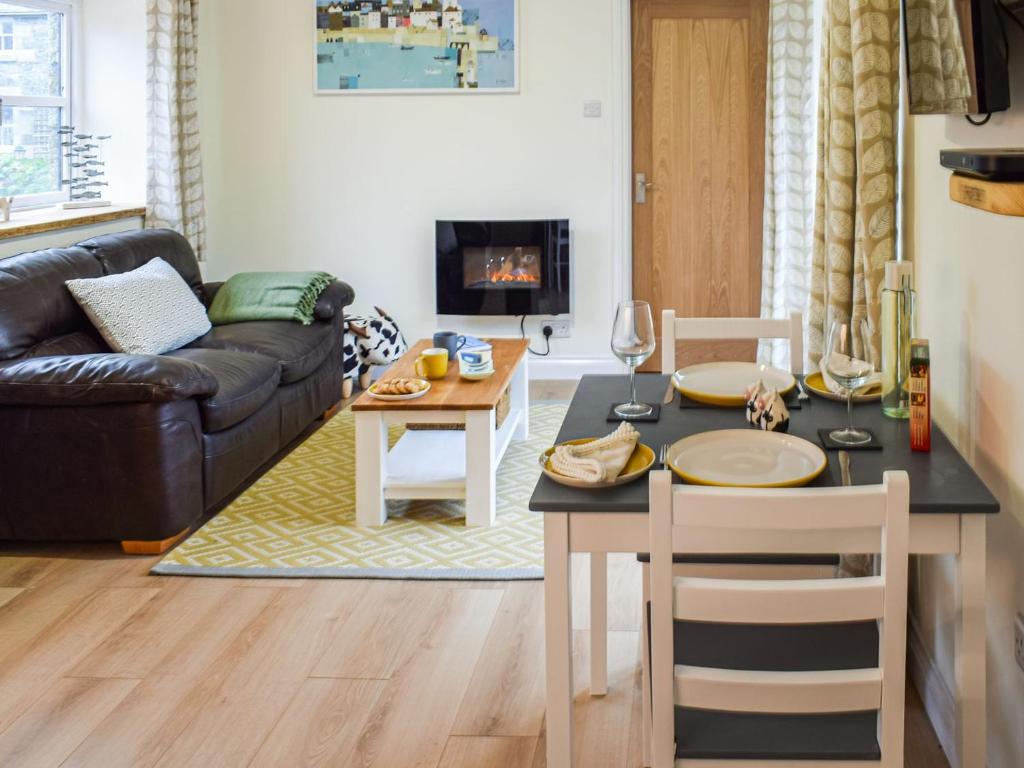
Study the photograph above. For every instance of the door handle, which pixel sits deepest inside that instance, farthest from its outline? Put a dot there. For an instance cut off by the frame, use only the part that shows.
(642, 185)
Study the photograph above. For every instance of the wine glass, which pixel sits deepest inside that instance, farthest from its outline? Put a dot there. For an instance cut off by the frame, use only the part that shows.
(846, 353)
(633, 343)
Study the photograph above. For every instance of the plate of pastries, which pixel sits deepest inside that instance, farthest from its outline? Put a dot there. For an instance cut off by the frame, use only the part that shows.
(399, 389)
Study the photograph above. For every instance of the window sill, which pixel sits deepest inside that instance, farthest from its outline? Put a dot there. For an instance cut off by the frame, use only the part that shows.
(34, 222)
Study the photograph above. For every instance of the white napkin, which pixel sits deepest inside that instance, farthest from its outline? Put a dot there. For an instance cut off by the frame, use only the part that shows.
(835, 389)
(598, 461)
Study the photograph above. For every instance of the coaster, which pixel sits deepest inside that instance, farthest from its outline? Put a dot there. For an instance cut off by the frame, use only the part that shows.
(791, 399)
(654, 415)
(832, 445)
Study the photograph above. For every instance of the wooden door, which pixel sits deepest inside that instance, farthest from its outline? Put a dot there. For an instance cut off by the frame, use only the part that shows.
(699, 69)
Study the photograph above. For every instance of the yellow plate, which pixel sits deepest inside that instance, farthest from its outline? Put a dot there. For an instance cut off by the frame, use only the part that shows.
(639, 463)
(725, 383)
(746, 458)
(816, 384)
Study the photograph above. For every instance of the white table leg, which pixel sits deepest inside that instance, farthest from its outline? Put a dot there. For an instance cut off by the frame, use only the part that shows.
(598, 623)
(558, 639)
(480, 468)
(970, 643)
(520, 393)
(371, 468)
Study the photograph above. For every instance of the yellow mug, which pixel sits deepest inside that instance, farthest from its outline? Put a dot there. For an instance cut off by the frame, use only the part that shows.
(432, 363)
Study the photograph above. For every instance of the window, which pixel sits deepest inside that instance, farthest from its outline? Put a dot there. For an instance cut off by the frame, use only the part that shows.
(35, 98)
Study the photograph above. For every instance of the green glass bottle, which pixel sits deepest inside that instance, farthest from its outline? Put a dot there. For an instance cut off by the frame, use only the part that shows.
(898, 315)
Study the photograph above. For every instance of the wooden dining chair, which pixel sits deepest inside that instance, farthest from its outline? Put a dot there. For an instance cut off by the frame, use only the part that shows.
(675, 329)
(788, 673)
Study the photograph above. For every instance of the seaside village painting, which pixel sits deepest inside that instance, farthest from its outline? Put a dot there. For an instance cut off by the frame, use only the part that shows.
(412, 45)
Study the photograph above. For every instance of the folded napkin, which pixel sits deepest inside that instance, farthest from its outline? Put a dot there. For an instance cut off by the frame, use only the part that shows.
(598, 461)
(835, 389)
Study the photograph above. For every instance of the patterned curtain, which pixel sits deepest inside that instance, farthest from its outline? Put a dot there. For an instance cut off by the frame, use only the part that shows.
(939, 81)
(855, 206)
(789, 166)
(175, 174)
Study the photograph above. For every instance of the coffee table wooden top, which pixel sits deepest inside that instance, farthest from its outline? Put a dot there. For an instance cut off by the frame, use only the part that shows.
(451, 393)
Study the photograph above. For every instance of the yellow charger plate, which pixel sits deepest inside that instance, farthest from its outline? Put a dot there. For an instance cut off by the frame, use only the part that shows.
(816, 384)
(746, 458)
(639, 463)
(726, 383)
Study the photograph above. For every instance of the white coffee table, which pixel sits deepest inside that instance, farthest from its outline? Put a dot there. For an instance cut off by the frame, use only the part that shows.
(441, 464)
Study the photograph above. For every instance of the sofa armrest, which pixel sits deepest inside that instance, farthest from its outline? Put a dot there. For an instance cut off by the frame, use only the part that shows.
(333, 300)
(101, 379)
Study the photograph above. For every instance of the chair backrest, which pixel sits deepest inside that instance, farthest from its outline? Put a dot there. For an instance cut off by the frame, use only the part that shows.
(735, 514)
(675, 329)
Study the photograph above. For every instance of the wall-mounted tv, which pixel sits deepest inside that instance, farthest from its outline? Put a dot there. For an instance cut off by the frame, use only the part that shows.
(957, 56)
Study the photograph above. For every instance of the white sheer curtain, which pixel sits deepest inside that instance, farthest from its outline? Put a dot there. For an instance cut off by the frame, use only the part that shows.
(790, 152)
(174, 187)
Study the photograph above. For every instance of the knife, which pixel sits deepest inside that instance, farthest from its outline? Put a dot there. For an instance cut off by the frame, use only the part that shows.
(844, 468)
(670, 393)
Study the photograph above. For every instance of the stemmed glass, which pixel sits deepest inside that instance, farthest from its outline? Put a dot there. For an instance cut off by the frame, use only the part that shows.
(633, 342)
(846, 353)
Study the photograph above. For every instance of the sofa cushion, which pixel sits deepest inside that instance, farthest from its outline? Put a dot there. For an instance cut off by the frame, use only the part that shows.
(246, 380)
(34, 302)
(125, 251)
(148, 311)
(300, 349)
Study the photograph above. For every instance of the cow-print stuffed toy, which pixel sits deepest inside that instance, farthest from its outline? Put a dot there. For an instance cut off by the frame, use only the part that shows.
(370, 341)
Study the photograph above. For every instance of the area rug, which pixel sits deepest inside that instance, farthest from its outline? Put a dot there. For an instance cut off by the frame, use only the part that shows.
(298, 521)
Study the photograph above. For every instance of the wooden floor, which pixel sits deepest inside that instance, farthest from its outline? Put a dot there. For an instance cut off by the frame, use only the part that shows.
(103, 665)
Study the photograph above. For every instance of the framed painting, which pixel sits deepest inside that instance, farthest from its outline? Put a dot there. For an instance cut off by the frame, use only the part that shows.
(415, 46)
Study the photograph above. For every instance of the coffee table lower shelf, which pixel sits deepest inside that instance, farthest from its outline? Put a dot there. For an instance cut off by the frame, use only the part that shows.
(433, 464)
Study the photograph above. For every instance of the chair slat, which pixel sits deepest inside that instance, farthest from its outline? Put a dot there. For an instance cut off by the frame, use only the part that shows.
(729, 690)
(702, 328)
(798, 601)
(778, 764)
(781, 509)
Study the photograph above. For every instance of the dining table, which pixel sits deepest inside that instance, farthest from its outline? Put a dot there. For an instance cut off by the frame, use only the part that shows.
(949, 504)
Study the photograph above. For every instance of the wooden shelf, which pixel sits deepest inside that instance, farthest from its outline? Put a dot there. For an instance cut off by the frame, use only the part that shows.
(1003, 197)
(34, 222)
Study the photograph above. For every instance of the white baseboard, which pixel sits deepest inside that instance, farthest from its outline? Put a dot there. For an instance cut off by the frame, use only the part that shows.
(939, 702)
(573, 368)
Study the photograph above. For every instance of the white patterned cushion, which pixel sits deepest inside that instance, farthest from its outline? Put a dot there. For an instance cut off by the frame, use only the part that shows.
(148, 311)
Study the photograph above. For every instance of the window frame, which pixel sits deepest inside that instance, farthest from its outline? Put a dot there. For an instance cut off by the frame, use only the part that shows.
(64, 102)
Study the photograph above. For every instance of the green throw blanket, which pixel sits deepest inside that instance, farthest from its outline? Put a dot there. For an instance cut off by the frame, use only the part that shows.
(268, 296)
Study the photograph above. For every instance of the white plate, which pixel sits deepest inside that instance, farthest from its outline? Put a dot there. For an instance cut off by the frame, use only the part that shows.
(411, 396)
(726, 383)
(746, 458)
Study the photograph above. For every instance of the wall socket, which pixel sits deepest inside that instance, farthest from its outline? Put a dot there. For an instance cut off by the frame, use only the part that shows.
(560, 328)
(1018, 640)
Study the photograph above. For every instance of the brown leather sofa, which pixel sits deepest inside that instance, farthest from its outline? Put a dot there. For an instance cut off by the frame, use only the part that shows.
(96, 445)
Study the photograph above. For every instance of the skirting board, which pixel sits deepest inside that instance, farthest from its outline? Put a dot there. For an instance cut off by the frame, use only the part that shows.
(939, 702)
(572, 368)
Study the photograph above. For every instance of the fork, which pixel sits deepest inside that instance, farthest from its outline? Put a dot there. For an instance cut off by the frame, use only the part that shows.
(801, 393)
(664, 454)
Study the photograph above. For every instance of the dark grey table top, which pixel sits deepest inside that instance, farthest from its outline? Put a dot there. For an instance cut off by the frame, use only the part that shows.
(941, 481)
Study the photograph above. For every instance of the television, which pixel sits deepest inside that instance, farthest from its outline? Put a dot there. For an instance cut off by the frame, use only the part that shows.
(957, 57)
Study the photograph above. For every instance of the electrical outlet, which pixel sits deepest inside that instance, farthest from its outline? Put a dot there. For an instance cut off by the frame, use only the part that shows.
(560, 328)
(1018, 640)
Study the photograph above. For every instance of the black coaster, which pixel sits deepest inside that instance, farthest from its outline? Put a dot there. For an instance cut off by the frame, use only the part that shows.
(832, 445)
(791, 399)
(654, 415)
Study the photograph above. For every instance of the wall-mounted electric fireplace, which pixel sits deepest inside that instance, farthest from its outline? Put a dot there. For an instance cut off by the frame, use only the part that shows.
(503, 267)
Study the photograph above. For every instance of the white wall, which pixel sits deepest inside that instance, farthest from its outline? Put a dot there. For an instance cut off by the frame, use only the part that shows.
(353, 184)
(110, 64)
(970, 274)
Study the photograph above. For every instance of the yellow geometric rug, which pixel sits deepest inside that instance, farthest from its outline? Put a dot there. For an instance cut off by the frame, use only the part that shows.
(298, 521)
